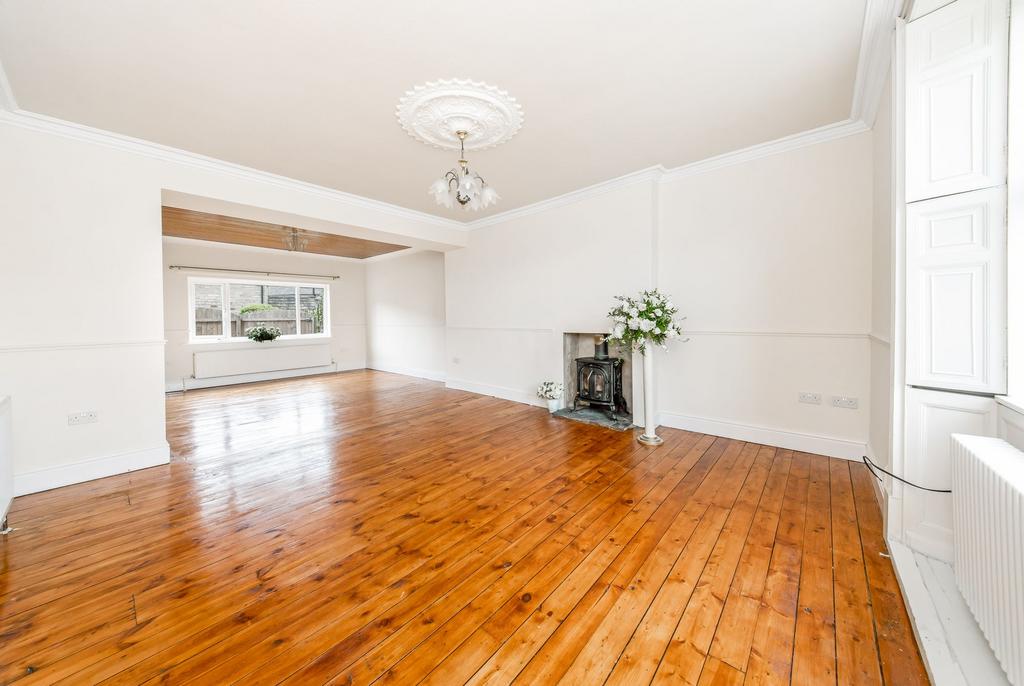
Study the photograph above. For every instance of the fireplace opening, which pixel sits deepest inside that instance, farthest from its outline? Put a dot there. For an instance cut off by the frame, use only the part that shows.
(598, 384)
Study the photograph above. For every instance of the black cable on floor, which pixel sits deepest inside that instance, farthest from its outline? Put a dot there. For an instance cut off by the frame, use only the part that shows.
(872, 467)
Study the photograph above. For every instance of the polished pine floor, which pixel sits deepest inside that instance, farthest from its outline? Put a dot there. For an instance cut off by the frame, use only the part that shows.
(368, 527)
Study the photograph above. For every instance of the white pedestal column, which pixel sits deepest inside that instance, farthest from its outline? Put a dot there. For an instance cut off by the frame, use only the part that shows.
(649, 436)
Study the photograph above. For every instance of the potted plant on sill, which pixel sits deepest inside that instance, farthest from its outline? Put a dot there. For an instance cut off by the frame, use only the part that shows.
(641, 323)
(262, 333)
(552, 392)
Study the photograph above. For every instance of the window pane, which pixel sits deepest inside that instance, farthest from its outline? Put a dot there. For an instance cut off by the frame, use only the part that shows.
(209, 303)
(312, 309)
(261, 305)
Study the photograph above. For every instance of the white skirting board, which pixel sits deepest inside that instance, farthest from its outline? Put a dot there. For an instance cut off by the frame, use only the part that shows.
(408, 371)
(189, 383)
(954, 650)
(807, 443)
(513, 394)
(96, 468)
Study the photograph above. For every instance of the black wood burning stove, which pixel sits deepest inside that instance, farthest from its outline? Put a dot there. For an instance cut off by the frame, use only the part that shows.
(599, 381)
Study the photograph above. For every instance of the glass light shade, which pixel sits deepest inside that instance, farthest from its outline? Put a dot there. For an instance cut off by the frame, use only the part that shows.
(470, 187)
(488, 196)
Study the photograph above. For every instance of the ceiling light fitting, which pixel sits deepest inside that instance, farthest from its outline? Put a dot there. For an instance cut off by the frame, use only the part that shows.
(458, 114)
(463, 186)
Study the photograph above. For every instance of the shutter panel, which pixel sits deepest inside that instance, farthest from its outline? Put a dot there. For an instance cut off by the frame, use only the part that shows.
(956, 99)
(956, 292)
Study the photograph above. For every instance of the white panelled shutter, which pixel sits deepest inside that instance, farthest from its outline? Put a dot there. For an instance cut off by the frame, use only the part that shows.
(956, 99)
(956, 292)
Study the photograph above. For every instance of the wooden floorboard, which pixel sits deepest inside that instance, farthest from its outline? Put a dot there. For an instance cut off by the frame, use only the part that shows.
(367, 527)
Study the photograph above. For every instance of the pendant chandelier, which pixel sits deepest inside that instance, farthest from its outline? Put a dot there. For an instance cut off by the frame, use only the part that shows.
(459, 114)
(462, 185)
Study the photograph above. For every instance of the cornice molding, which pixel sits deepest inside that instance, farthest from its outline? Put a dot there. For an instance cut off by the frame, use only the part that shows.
(822, 134)
(88, 134)
(874, 59)
(659, 174)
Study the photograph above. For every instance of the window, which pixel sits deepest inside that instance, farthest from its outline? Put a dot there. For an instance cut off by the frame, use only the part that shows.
(225, 309)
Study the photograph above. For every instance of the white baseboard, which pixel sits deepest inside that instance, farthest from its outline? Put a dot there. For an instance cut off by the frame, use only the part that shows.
(807, 443)
(96, 468)
(408, 371)
(881, 489)
(513, 394)
(190, 384)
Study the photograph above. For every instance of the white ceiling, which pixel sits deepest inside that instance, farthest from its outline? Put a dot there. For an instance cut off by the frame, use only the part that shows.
(308, 89)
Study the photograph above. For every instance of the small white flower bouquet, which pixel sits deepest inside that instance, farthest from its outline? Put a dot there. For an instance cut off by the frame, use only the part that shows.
(550, 390)
(262, 333)
(645, 317)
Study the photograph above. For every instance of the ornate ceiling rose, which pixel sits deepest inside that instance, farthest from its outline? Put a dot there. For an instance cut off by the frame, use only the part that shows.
(436, 111)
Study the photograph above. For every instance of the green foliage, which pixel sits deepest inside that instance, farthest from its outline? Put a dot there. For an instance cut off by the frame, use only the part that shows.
(262, 333)
(255, 307)
(318, 317)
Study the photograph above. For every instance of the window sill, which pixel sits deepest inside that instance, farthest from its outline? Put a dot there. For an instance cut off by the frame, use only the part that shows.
(1014, 403)
(282, 341)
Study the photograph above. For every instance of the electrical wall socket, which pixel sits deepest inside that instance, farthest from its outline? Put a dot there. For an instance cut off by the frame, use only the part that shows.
(87, 417)
(845, 402)
(810, 398)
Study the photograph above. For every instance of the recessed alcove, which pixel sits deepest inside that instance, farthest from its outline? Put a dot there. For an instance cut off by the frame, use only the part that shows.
(577, 344)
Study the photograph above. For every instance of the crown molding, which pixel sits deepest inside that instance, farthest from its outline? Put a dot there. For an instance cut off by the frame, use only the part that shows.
(88, 134)
(875, 55)
(822, 134)
(659, 174)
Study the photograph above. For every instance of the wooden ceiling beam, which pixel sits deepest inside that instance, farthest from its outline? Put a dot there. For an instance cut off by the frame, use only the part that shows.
(222, 229)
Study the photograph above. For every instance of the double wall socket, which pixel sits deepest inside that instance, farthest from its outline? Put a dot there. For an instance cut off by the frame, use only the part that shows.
(842, 401)
(87, 417)
(845, 402)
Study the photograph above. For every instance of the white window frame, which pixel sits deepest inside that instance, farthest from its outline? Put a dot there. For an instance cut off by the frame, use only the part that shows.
(226, 337)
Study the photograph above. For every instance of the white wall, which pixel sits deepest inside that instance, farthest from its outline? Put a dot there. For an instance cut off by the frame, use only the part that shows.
(347, 301)
(405, 314)
(80, 240)
(521, 283)
(881, 285)
(770, 260)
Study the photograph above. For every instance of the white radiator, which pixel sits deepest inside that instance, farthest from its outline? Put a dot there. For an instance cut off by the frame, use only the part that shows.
(268, 357)
(988, 528)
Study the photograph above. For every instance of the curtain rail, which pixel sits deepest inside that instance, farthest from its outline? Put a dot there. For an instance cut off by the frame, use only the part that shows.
(252, 271)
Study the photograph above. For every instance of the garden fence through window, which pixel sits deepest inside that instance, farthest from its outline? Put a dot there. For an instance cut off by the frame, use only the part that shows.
(227, 309)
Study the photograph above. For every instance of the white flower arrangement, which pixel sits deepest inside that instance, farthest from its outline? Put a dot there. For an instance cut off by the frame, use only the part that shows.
(647, 317)
(550, 390)
(262, 333)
